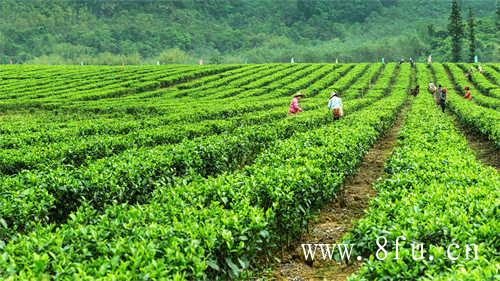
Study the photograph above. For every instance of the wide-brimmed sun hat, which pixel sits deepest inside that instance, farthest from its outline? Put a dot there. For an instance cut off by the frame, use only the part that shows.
(299, 94)
(332, 94)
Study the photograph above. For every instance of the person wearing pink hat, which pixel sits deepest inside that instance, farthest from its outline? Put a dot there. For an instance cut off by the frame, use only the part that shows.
(294, 105)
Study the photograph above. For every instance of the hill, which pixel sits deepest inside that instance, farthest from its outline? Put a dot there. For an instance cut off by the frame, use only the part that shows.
(112, 32)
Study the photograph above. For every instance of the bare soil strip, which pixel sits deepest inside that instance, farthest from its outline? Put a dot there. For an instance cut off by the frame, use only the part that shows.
(484, 150)
(338, 216)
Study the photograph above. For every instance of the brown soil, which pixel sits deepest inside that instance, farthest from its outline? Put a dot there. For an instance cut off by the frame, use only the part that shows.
(484, 150)
(337, 218)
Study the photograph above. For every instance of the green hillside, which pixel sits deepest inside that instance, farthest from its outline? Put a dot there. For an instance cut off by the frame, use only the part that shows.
(229, 31)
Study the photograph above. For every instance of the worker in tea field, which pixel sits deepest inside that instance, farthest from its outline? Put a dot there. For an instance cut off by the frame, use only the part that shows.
(432, 88)
(468, 74)
(294, 105)
(414, 92)
(468, 94)
(335, 105)
(437, 94)
(442, 99)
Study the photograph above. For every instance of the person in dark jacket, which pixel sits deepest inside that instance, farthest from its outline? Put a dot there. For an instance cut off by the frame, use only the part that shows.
(442, 98)
(414, 92)
(469, 76)
(437, 94)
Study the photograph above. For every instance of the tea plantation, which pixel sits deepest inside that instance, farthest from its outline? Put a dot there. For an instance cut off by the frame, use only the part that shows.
(197, 172)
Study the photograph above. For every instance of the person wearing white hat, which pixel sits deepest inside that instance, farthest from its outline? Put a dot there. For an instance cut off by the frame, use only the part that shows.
(335, 105)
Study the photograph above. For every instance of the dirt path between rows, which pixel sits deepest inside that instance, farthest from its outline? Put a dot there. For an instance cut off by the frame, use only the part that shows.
(338, 216)
(484, 150)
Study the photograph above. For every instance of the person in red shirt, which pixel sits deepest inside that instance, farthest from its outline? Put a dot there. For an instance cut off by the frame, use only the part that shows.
(294, 105)
(467, 95)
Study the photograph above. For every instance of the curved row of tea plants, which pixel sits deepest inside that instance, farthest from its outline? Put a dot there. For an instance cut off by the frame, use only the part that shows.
(157, 100)
(115, 178)
(492, 74)
(127, 84)
(85, 79)
(458, 77)
(206, 90)
(75, 151)
(435, 192)
(486, 80)
(213, 227)
(478, 118)
(40, 125)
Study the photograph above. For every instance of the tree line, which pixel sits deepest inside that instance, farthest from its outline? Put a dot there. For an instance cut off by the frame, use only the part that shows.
(235, 31)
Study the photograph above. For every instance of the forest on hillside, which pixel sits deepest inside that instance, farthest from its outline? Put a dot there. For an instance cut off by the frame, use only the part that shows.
(243, 31)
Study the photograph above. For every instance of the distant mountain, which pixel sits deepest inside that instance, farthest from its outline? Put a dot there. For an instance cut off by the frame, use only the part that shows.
(176, 31)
